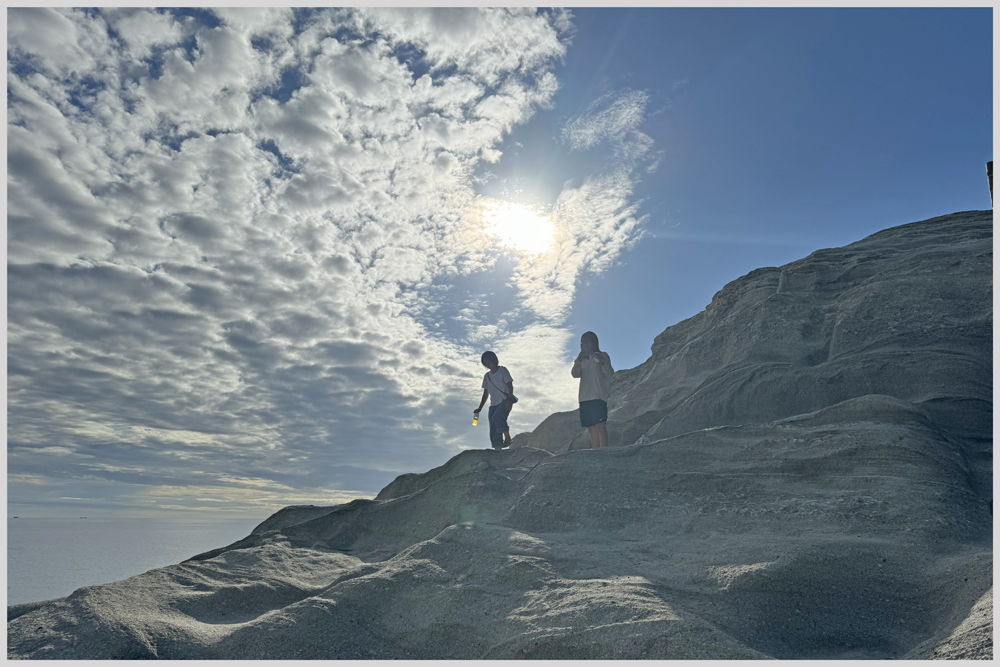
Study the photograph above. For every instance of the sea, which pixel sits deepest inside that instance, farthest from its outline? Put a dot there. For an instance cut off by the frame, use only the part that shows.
(51, 558)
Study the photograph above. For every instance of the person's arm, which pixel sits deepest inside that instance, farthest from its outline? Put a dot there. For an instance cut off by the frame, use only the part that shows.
(486, 394)
(510, 392)
(576, 366)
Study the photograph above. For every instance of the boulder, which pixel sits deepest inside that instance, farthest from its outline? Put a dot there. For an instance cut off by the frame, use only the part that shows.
(558, 433)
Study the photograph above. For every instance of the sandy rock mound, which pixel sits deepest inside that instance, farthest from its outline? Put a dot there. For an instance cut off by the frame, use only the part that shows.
(841, 521)
(805, 538)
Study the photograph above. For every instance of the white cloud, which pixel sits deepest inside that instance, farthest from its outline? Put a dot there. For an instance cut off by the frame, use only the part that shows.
(609, 117)
(236, 243)
(275, 22)
(487, 44)
(57, 44)
(142, 31)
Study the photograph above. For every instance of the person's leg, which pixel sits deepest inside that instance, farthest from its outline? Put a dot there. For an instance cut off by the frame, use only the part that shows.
(502, 428)
(595, 439)
(496, 435)
(602, 434)
(506, 430)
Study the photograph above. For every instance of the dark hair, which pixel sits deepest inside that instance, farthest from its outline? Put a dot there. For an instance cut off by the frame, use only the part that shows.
(592, 337)
(489, 356)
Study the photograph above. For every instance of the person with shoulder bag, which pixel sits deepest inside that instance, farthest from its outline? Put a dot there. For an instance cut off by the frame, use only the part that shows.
(498, 385)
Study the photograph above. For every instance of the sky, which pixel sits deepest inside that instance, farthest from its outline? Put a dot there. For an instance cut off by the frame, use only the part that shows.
(254, 255)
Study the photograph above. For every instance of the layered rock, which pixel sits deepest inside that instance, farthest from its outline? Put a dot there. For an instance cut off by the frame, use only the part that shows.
(800, 471)
(906, 312)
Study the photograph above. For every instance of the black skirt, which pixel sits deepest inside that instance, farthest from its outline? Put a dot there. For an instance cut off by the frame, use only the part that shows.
(593, 413)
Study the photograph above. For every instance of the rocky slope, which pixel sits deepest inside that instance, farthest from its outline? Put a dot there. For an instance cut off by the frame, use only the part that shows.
(802, 470)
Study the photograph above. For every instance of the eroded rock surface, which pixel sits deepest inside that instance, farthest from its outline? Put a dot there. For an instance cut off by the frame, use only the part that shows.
(800, 471)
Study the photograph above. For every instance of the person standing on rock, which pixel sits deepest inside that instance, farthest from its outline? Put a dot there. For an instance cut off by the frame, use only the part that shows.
(593, 367)
(499, 386)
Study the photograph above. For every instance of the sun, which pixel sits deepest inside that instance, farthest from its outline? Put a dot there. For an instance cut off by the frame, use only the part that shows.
(518, 226)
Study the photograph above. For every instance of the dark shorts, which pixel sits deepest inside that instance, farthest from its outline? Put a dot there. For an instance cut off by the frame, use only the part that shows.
(593, 413)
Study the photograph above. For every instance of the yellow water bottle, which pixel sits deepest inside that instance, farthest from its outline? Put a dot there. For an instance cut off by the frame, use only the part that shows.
(475, 418)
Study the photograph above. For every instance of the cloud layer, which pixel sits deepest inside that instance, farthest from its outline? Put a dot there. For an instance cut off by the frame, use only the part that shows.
(240, 241)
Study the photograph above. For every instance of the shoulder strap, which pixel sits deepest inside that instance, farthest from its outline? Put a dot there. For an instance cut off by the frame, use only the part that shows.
(488, 374)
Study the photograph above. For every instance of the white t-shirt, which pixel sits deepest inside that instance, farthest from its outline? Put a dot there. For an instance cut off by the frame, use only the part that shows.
(496, 384)
(595, 378)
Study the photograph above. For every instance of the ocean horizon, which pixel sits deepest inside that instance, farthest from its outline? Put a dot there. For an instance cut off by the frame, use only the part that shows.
(50, 558)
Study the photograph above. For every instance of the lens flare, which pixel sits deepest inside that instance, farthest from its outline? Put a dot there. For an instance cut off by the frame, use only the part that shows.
(519, 227)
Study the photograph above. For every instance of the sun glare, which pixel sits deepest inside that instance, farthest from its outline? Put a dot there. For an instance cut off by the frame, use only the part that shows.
(519, 227)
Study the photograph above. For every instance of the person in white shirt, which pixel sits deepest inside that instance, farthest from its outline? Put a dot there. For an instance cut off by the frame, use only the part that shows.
(499, 386)
(593, 367)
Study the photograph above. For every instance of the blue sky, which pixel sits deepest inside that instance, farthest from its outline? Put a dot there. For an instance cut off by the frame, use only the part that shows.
(254, 255)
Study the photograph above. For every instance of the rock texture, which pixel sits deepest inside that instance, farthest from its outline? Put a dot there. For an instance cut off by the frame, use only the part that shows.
(802, 470)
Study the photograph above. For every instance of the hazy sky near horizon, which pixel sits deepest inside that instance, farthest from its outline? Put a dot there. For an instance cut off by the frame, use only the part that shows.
(254, 255)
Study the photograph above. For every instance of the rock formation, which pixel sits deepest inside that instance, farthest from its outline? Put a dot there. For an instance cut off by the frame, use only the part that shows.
(802, 470)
